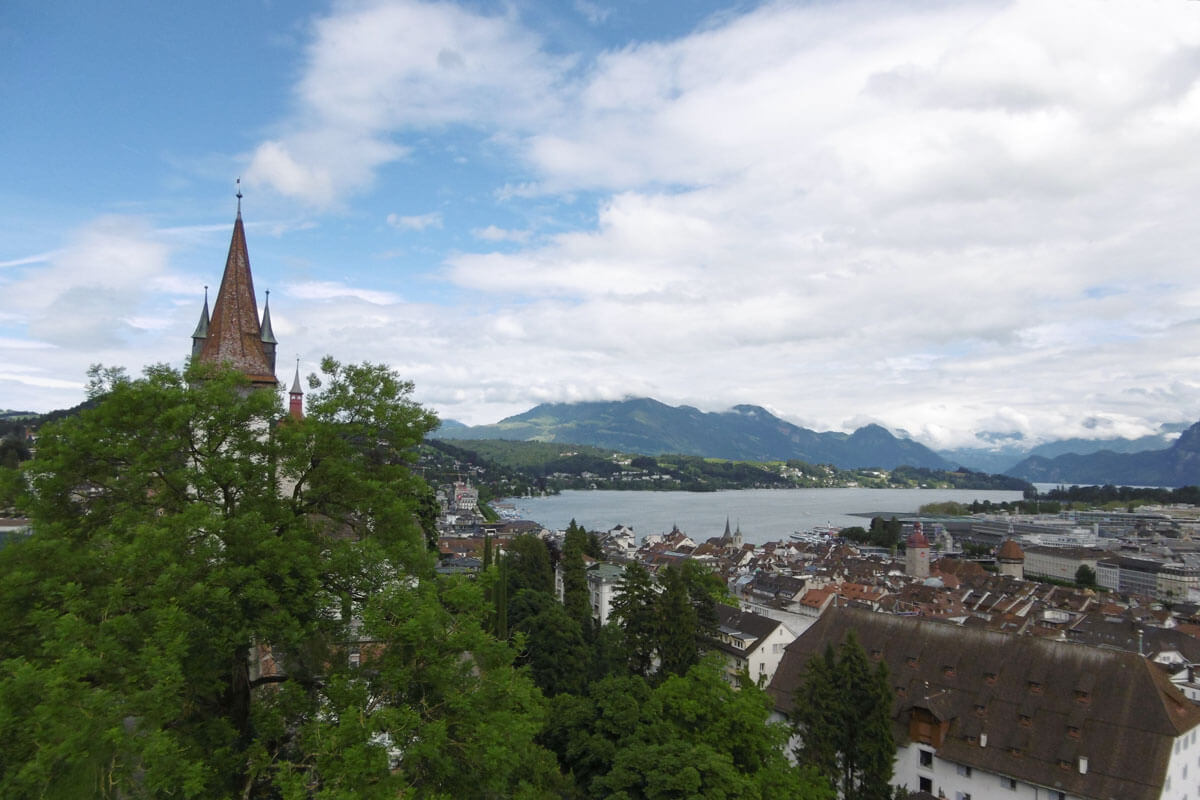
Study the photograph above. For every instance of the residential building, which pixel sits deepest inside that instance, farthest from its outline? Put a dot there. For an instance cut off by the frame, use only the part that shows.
(750, 642)
(992, 716)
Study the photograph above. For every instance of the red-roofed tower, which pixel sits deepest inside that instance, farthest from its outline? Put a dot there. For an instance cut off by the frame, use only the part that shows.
(296, 396)
(916, 553)
(234, 335)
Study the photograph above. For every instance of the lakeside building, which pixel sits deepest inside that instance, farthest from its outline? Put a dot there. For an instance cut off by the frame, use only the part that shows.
(1151, 577)
(992, 716)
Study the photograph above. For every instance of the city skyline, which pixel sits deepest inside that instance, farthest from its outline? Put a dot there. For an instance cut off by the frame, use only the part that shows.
(946, 218)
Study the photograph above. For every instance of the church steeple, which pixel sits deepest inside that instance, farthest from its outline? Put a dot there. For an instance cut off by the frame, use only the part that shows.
(234, 335)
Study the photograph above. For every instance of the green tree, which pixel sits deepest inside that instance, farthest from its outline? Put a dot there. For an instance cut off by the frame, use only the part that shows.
(693, 736)
(634, 609)
(204, 578)
(529, 565)
(678, 644)
(818, 715)
(843, 718)
(1085, 576)
(574, 577)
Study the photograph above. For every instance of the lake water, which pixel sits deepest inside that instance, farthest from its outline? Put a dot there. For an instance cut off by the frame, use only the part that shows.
(764, 514)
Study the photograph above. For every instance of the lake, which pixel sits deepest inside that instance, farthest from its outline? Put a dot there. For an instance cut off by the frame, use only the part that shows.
(764, 514)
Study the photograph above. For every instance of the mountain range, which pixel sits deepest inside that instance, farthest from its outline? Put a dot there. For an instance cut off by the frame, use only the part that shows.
(751, 433)
(743, 433)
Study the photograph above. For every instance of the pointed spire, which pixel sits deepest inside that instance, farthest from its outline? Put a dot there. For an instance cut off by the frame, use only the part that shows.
(235, 336)
(727, 533)
(201, 332)
(296, 381)
(202, 326)
(268, 335)
(296, 395)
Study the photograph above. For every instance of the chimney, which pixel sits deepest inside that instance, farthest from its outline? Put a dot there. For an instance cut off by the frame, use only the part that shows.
(983, 740)
(1083, 765)
(1139, 634)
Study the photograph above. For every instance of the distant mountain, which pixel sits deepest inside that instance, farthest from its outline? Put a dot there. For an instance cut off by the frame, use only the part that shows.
(1005, 457)
(745, 432)
(1177, 465)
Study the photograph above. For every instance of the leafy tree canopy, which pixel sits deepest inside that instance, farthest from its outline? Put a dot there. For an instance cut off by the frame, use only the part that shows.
(219, 601)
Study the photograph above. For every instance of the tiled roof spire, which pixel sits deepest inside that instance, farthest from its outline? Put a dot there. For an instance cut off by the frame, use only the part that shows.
(234, 333)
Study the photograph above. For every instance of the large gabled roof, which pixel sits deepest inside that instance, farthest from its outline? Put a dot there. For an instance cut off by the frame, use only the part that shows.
(1042, 704)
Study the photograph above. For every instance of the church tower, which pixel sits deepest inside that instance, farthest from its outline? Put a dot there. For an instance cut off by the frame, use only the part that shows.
(234, 335)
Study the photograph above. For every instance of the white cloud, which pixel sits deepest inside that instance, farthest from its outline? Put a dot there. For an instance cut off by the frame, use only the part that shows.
(328, 290)
(415, 223)
(493, 233)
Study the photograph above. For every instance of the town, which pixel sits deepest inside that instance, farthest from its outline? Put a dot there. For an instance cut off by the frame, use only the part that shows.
(999, 632)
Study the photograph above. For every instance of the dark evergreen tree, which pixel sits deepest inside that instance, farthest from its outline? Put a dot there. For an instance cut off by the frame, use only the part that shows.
(818, 716)
(574, 577)
(677, 624)
(529, 565)
(843, 717)
(634, 609)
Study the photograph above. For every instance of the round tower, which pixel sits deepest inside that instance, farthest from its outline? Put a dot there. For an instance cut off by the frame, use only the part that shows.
(917, 553)
(1010, 559)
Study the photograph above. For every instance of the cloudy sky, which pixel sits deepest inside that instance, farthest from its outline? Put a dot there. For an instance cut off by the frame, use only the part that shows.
(946, 217)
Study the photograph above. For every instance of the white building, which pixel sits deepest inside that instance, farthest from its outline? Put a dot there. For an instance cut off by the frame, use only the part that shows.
(980, 715)
(750, 642)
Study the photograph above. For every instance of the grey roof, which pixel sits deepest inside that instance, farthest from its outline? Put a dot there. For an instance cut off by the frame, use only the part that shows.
(1042, 704)
(268, 335)
(201, 331)
(751, 628)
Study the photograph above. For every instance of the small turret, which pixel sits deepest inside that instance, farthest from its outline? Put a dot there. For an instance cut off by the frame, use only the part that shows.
(296, 396)
(201, 332)
(268, 336)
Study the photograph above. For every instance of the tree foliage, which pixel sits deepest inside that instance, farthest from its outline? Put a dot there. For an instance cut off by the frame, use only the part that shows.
(692, 736)
(843, 718)
(219, 601)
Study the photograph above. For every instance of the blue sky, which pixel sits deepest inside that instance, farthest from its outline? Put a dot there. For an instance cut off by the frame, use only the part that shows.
(944, 217)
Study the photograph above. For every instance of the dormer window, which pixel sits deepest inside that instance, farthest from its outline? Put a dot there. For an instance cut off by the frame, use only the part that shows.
(1073, 731)
(1082, 697)
(989, 678)
(1035, 687)
(1024, 720)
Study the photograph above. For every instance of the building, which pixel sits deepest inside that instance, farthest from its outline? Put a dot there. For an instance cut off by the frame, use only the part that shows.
(1060, 563)
(750, 642)
(604, 583)
(234, 335)
(916, 554)
(1150, 577)
(1010, 560)
(982, 715)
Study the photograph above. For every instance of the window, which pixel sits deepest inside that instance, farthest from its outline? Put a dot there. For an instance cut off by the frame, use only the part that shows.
(926, 758)
(962, 796)
(926, 785)
(1008, 783)
(964, 770)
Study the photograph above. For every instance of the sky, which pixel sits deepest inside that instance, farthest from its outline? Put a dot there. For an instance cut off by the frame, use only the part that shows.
(973, 222)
